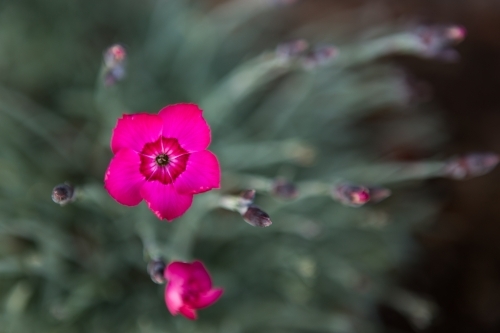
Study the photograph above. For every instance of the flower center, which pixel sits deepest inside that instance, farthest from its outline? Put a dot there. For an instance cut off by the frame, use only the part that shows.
(162, 159)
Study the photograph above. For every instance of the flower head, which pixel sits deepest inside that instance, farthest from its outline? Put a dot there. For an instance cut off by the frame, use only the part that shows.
(189, 288)
(162, 159)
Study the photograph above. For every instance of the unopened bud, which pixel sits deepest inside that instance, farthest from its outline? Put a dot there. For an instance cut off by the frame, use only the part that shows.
(156, 269)
(438, 39)
(351, 195)
(114, 64)
(292, 49)
(470, 165)
(356, 195)
(456, 33)
(248, 195)
(256, 217)
(115, 55)
(283, 189)
(63, 194)
(320, 56)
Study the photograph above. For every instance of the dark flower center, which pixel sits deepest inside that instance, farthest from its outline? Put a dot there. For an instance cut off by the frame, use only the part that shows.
(162, 159)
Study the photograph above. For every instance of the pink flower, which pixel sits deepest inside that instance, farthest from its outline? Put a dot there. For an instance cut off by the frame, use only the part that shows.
(189, 288)
(162, 159)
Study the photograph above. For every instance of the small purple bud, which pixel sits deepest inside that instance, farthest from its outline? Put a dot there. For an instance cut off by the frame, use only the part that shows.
(248, 195)
(155, 269)
(257, 217)
(470, 165)
(63, 194)
(114, 64)
(283, 189)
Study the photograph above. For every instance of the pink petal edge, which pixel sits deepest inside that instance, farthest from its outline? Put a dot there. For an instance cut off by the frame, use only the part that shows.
(208, 298)
(164, 200)
(202, 174)
(185, 122)
(135, 130)
(188, 312)
(123, 180)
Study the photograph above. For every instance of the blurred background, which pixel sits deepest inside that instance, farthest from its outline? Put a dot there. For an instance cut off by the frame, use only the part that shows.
(320, 93)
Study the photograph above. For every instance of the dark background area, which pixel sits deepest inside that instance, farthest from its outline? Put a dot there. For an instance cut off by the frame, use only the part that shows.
(460, 264)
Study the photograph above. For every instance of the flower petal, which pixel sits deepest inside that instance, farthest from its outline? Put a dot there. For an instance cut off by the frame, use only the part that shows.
(188, 312)
(178, 271)
(200, 274)
(135, 130)
(164, 200)
(202, 174)
(173, 298)
(123, 180)
(208, 298)
(185, 122)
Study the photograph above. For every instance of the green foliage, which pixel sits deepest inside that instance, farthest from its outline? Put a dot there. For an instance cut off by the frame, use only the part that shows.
(321, 267)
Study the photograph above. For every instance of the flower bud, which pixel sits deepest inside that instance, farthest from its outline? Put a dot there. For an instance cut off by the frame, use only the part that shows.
(437, 40)
(283, 189)
(114, 56)
(356, 195)
(455, 33)
(351, 195)
(470, 165)
(63, 194)
(248, 196)
(256, 217)
(114, 64)
(156, 269)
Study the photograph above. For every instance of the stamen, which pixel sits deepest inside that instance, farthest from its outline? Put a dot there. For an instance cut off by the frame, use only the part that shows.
(162, 159)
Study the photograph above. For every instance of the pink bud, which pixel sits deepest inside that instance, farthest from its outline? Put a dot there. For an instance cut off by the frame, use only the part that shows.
(189, 288)
(456, 33)
(114, 55)
(356, 195)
